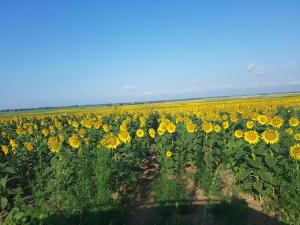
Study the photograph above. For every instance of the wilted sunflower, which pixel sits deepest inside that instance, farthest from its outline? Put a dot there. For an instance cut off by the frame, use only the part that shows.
(124, 136)
(262, 119)
(54, 144)
(207, 127)
(140, 133)
(152, 133)
(82, 132)
(270, 136)
(294, 122)
(238, 133)
(28, 146)
(171, 128)
(74, 141)
(4, 149)
(168, 154)
(295, 151)
(251, 137)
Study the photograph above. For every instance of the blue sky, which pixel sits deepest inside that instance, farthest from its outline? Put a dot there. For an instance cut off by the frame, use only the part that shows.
(55, 53)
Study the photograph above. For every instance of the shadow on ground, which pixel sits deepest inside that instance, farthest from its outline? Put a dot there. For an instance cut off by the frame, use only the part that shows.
(229, 212)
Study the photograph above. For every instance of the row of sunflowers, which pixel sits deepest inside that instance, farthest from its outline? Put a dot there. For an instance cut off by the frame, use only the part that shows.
(81, 159)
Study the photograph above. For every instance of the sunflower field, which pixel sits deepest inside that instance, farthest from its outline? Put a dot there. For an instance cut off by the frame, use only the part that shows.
(83, 166)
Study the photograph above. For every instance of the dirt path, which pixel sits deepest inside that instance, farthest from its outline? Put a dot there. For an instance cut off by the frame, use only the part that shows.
(143, 207)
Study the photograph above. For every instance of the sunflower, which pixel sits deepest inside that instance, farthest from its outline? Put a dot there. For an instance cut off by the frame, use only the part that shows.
(82, 132)
(251, 137)
(124, 136)
(225, 124)
(171, 127)
(161, 129)
(294, 122)
(207, 127)
(277, 122)
(289, 131)
(250, 124)
(106, 128)
(140, 133)
(190, 127)
(270, 136)
(168, 154)
(13, 144)
(74, 141)
(217, 128)
(297, 137)
(152, 133)
(28, 146)
(75, 124)
(295, 151)
(54, 144)
(45, 132)
(262, 119)
(238, 133)
(110, 142)
(4, 149)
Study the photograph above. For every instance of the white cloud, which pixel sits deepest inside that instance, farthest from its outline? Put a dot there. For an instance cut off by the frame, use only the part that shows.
(255, 68)
(128, 88)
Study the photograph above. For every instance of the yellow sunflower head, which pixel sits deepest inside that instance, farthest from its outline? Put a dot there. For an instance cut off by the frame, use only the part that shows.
(297, 137)
(277, 121)
(152, 133)
(191, 127)
(295, 151)
(74, 141)
(289, 131)
(217, 128)
(54, 144)
(171, 127)
(238, 133)
(270, 136)
(294, 122)
(140, 133)
(110, 142)
(225, 124)
(28, 146)
(168, 154)
(4, 149)
(250, 124)
(124, 136)
(251, 136)
(207, 127)
(262, 119)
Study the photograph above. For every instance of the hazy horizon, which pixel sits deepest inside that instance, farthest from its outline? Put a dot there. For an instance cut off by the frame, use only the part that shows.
(55, 53)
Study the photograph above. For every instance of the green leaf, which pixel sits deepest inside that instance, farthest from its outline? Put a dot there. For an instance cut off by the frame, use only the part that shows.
(260, 151)
(270, 161)
(242, 174)
(257, 186)
(3, 203)
(3, 182)
(257, 163)
(9, 170)
(266, 176)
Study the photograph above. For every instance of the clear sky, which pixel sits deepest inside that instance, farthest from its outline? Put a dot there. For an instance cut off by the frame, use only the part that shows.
(63, 52)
